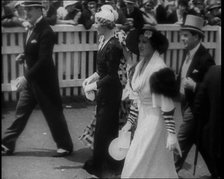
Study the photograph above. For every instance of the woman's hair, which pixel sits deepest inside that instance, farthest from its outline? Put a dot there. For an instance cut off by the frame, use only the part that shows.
(158, 41)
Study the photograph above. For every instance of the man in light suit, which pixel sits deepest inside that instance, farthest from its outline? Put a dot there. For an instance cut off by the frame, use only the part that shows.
(39, 85)
(196, 62)
(208, 113)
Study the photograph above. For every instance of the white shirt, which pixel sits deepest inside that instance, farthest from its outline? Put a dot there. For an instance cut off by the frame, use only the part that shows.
(30, 31)
(186, 65)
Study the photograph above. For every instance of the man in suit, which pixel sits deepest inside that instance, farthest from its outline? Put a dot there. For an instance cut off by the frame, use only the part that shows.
(196, 62)
(208, 113)
(39, 85)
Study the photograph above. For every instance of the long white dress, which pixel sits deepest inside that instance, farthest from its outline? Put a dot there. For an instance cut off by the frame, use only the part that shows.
(148, 156)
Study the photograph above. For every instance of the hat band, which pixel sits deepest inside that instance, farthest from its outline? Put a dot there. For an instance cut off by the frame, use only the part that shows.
(192, 27)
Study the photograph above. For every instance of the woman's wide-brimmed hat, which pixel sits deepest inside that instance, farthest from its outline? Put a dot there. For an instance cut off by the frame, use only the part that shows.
(193, 23)
(32, 3)
(158, 41)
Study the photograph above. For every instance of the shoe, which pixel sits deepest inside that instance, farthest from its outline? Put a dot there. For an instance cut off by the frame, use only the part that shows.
(62, 153)
(6, 150)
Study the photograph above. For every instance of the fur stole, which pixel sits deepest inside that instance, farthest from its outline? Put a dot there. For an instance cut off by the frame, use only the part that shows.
(164, 82)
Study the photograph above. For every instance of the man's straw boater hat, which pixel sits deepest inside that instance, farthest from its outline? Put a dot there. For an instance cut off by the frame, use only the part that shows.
(194, 23)
(32, 3)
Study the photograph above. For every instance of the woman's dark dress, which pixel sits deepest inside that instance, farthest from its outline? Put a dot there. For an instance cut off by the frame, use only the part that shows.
(109, 91)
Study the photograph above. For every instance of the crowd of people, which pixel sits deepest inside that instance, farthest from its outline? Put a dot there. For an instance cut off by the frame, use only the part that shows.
(130, 13)
(157, 150)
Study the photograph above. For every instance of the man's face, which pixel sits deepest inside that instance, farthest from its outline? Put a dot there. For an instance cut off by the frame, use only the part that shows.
(92, 6)
(130, 6)
(189, 40)
(149, 5)
(32, 14)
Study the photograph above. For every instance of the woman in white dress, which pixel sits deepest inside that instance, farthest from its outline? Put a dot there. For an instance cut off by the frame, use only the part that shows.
(153, 86)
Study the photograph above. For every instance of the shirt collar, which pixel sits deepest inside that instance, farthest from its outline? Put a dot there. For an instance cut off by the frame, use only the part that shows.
(193, 51)
(38, 20)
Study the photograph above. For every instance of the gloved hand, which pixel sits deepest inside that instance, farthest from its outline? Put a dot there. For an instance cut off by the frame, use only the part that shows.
(189, 83)
(90, 87)
(126, 127)
(20, 58)
(172, 143)
(90, 79)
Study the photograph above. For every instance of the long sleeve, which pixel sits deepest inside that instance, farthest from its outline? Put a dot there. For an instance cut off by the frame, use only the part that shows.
(167, 107)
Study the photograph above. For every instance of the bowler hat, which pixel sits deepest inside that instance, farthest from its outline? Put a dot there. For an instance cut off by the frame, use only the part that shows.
(193, 23)
(32, 3)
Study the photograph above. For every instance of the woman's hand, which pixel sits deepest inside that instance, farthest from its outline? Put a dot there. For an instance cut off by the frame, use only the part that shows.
(126, 127)
(90, 87)
(172, 143)
(90, 79)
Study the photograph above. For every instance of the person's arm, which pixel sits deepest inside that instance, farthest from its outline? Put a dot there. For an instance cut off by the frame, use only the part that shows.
(12, 22)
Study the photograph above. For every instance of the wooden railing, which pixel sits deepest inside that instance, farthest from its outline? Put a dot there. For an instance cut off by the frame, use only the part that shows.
(75, 54)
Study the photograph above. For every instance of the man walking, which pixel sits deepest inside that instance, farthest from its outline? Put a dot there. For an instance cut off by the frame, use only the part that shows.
(195, 64)
(39, 85)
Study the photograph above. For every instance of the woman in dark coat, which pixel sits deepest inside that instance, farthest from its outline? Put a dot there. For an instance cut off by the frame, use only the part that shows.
(108, 96)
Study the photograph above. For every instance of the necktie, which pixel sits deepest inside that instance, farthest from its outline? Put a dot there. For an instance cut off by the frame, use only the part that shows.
(187, 57)
(30, 30)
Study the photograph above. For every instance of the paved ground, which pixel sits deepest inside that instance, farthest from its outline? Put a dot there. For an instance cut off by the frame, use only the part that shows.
(32, 159)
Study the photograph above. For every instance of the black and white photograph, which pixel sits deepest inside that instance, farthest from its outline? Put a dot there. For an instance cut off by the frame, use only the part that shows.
(111, 89)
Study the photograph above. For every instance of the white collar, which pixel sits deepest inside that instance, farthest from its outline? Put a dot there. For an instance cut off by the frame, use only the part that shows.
(38, 20)
(193, 51)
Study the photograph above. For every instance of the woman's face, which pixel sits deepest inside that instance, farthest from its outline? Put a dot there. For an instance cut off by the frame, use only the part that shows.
(144, 46)
(100, 29)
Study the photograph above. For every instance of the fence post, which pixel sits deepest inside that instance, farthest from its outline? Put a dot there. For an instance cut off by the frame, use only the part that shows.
(218, 48)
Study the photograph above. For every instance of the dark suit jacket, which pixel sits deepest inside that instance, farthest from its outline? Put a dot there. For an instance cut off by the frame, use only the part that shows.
(208, 112)
(40, 72)
(201, 62)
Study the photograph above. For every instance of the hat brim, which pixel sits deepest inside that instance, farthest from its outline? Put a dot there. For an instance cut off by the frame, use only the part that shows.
(31, 5)
(193, 29)
(132, 41)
